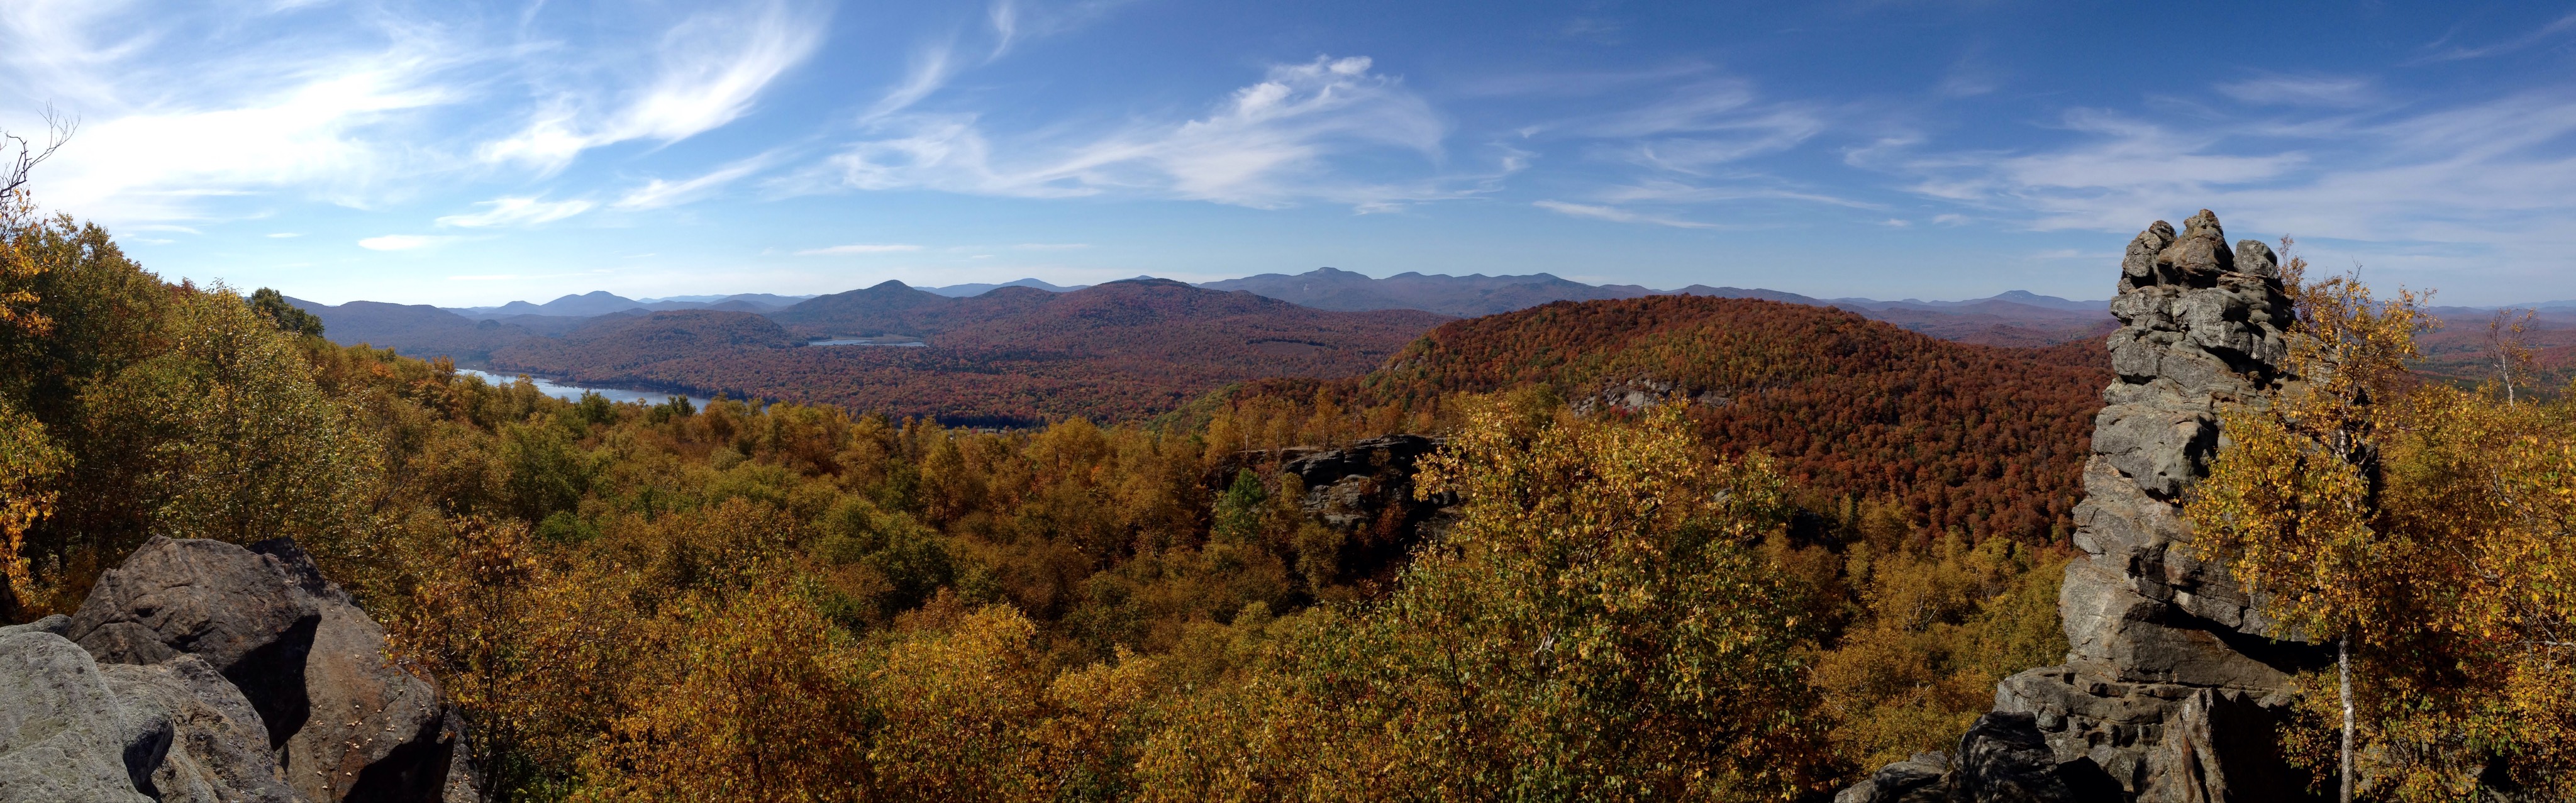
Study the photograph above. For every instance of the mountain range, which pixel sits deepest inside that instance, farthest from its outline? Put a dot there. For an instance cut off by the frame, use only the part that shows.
(1011, 356)
(471, 334)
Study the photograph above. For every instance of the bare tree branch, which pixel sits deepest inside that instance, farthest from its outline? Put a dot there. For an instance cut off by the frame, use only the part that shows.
(15, 170)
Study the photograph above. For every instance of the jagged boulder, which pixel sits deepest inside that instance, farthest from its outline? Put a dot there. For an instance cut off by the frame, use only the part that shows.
(219, 748)
(240, 612)
(1915, 780)
(2003, 759)
(280, 685)
(65, 736)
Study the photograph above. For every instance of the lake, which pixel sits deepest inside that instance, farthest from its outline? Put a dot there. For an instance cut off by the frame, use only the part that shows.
(865, 341)
(572, 393)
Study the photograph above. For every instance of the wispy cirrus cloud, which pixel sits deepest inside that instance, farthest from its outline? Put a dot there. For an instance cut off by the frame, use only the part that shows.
(501, 212)
(859, 248)
(2443, 50)
(706, 70)
(1618, 215)
(2423, 185)
(2331, 91)
(1269, 144)
(403, 242)
(179, 109)
(1692, 138)
(659, 193)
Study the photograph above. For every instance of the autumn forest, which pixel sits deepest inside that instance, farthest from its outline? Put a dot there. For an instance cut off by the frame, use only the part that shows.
(1660, 548)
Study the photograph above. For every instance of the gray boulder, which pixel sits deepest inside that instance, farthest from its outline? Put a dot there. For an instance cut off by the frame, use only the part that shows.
(65, 736)
(219, 751)
(1920, 779)
(2004, 759)
(56, 624)
(377, 733)
(242, 613)
(341, 719)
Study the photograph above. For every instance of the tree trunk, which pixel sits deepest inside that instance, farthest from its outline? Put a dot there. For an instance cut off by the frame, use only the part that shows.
(2343, 690)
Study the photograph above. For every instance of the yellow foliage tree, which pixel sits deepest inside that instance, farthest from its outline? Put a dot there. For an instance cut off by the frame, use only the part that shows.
(1598, 624)
(2425, 530)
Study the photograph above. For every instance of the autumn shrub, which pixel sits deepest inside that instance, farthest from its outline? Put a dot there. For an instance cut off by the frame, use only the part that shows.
(1598, 624)
(1942, 625)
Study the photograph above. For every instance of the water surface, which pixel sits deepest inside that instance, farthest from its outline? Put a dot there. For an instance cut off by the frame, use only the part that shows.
(861, 341)
(573, 392)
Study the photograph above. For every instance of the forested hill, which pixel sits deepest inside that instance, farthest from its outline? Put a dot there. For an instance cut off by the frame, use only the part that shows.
(621, 342)
(1120, 350)
(1988, 439)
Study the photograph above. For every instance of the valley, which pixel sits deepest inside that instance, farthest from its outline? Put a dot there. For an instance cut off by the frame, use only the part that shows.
(1026, 352)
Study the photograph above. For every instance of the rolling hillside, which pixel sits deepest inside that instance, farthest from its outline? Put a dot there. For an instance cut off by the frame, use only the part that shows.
(1010, 356)
(1987, 439)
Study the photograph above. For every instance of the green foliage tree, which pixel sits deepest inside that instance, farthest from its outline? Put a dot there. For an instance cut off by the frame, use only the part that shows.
(287, 317)
(228, 435)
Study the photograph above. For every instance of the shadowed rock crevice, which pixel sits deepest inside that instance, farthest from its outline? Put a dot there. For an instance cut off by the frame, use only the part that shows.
(204, 671)
(272, 678)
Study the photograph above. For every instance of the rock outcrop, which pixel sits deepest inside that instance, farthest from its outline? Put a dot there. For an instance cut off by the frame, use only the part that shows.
(2175, 679)
(64, 734)
(219, 747)
(1363, 492)
(2175, 682)
(262, 680)
(1366, 485)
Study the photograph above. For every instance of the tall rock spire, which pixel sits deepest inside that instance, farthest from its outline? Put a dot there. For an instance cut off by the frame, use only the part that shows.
(2176, 683)
(2176, 680)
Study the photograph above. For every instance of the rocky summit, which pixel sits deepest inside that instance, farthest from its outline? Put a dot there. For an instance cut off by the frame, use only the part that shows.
(2176, 682)
(206, 671)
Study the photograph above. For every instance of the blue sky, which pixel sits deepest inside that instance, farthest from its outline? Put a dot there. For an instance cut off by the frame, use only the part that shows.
(456, 152)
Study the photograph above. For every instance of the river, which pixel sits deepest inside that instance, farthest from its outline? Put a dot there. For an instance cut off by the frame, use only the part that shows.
(572, 393)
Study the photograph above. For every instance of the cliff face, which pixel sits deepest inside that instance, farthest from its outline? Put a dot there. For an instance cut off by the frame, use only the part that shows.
(2176, 682)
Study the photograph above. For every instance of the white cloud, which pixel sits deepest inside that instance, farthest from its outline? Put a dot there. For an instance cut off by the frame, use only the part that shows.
(401, 242)
(1269, 144)
(1617, 215)
(284, 234)
(931, 67)
(2475, 186)
(707, 70)
(1668, 191)
(2303, 90)
(2457, 53)
(516, 212)
(175, 114)
(860, 248)
(658, 193)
